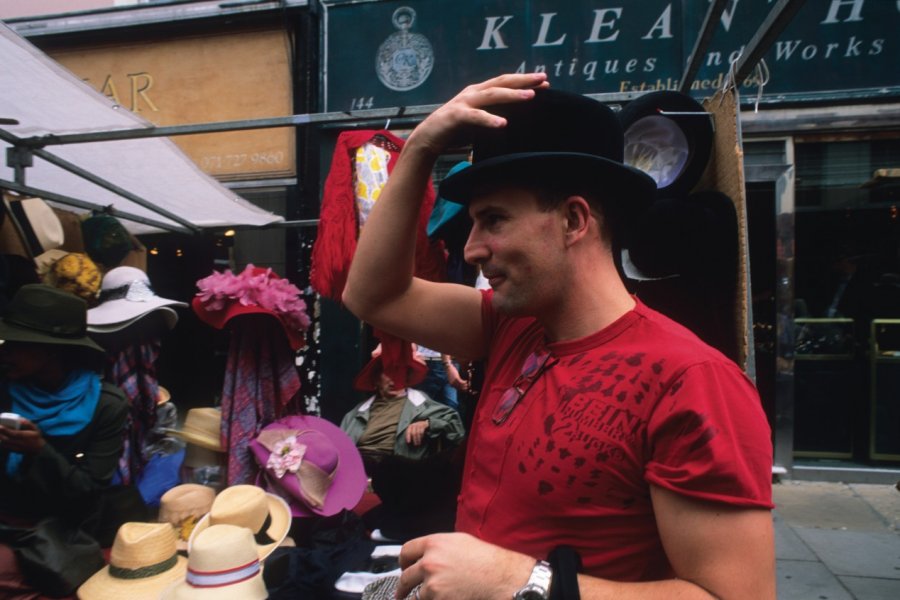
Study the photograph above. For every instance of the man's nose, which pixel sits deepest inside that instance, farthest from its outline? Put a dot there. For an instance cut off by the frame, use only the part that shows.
(475, 251)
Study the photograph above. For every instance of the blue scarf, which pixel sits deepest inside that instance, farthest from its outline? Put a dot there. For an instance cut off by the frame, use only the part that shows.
(63, 412)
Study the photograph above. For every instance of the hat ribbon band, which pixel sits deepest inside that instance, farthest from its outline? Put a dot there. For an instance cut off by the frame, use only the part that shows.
(143, 572)
(262, 536)
(18, 211)
(56, 330)
(138, 290)
(209, 579)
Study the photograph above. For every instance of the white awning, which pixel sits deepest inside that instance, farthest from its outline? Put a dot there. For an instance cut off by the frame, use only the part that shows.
(46, 99)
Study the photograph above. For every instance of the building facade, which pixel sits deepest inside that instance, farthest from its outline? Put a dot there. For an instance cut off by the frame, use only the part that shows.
(819, 118)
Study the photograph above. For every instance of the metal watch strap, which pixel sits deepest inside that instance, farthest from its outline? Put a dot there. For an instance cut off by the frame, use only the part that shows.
(538, 585)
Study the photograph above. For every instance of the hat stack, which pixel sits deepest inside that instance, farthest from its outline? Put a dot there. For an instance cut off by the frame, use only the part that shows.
(183, 506)
(681, 254)
(267, 516)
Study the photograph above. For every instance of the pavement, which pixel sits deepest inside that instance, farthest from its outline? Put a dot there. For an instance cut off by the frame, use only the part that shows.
(837, 541)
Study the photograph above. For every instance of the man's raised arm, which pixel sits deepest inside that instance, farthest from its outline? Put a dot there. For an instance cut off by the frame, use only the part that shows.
(381, 289)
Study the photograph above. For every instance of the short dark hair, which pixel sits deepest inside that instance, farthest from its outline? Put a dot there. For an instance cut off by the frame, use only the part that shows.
(552, 197)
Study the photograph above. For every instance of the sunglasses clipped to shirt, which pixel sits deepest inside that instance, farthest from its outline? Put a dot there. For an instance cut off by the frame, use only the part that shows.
(535, 366)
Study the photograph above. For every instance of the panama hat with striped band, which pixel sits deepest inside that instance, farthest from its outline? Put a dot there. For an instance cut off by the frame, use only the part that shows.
(222, 565)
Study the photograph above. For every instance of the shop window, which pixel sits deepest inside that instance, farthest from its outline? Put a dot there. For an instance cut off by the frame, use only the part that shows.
(833, 175)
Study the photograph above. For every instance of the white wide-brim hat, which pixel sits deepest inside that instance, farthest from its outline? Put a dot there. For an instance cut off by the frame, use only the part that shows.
(126, 297)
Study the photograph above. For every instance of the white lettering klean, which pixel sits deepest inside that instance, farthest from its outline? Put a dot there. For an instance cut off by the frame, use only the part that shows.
(492, 33)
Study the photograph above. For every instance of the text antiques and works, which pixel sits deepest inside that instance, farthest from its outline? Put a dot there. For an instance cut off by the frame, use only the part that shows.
(602, 47)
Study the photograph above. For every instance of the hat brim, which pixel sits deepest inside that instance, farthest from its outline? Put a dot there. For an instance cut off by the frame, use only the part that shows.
(114, 315)
(102, 586)
(697, 129)
(220, 318)
(12, 333)
(632, 190)
(279, 514)
(349, 481)
(249, 589)
(198, 439)
(367, 378)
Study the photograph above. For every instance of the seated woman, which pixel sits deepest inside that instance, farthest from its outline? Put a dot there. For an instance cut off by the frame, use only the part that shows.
(61, 452)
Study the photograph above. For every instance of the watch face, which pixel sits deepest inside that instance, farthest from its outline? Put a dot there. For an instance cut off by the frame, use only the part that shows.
(531, 593)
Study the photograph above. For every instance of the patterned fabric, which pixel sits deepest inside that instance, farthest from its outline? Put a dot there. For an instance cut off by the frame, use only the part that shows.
(385, 589)
(369, 176)
(133, 369)
(261, 385)
(339, 222)
(641, 402)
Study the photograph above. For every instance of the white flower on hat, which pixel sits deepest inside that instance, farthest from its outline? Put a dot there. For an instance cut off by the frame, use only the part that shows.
(287, 456)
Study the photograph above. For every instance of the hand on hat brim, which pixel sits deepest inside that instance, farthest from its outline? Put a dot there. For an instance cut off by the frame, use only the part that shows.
(447, 126)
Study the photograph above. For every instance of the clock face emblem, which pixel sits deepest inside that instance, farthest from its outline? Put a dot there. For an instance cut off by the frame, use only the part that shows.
(404, 59)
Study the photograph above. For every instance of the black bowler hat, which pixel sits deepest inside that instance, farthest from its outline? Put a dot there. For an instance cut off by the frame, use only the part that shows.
(695, 235)
(558, 138)
(668, 135)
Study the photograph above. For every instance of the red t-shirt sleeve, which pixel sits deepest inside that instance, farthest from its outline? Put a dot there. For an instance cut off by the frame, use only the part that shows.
(708, 438)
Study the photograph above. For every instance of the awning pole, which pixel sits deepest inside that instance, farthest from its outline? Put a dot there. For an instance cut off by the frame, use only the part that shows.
(703, 38)
(775, 22)
(70, 201)
(72, 168)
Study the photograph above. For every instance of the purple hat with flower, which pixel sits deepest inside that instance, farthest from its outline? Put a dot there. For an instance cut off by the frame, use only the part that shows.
(312, 464)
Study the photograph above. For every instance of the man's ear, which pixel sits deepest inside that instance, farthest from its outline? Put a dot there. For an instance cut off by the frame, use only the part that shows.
(577, 213)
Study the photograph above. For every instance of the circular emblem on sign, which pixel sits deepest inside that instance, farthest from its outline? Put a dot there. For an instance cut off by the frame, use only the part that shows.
(405, 59)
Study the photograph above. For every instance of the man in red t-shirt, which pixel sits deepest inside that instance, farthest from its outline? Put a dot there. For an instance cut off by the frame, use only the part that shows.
(603, 426)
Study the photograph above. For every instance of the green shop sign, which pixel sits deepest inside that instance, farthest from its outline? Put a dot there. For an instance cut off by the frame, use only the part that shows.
(408, 52)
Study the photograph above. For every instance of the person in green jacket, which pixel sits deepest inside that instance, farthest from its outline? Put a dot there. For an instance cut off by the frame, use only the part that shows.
(399, 421)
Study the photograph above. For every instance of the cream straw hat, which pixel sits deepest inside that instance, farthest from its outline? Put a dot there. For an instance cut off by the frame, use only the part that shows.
(183, 506)
(202, 427)
(223, 565)
(267, 516)
(142, 563)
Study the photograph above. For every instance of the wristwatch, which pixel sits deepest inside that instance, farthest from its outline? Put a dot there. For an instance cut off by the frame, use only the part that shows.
(538, 586)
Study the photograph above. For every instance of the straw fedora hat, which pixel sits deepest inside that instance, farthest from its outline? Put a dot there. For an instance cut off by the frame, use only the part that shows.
(267, 516)
(223, 565)
(183, 506)
(202, 427)
(142, 563)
